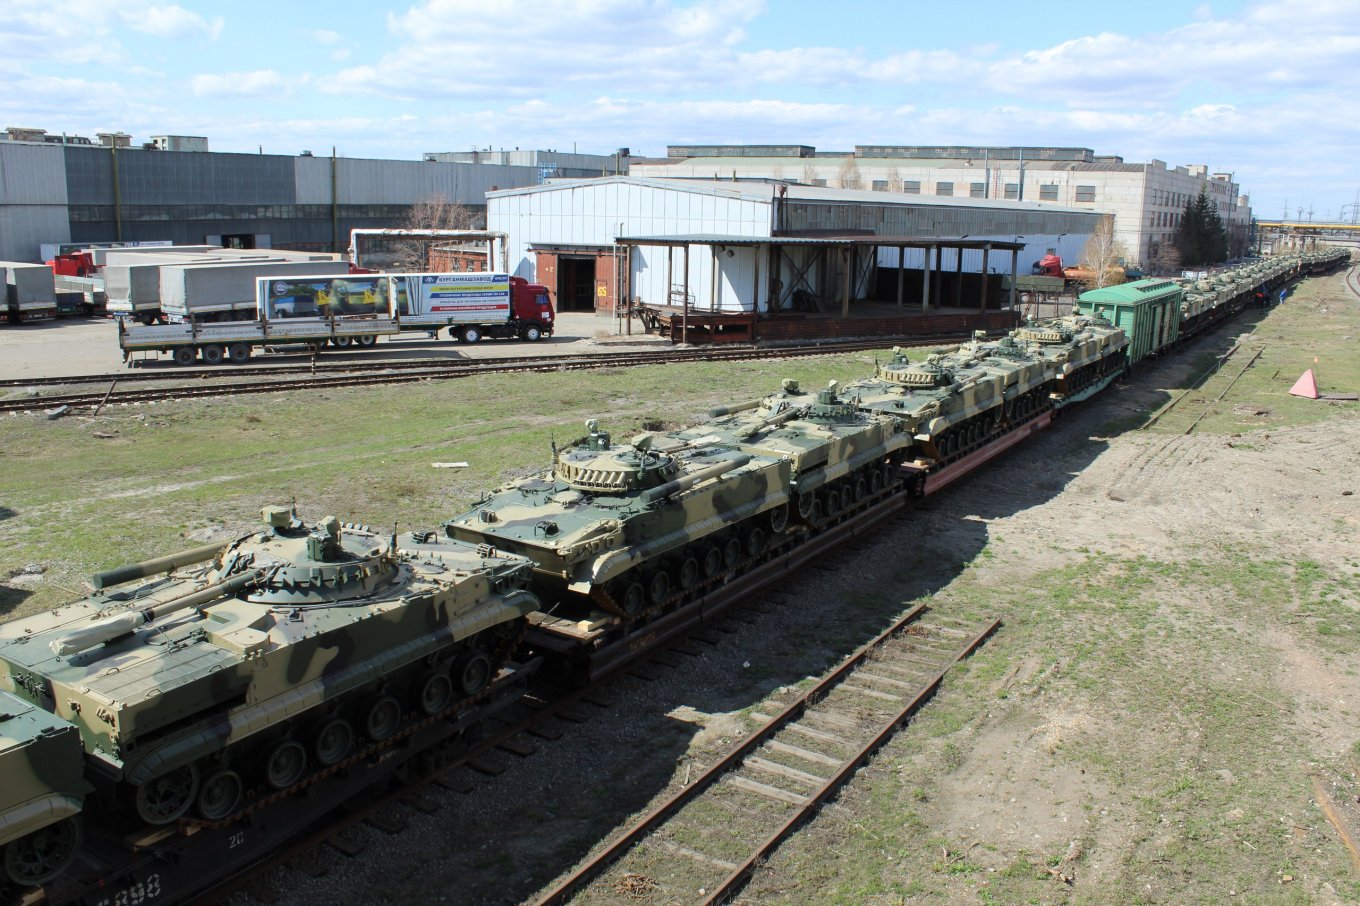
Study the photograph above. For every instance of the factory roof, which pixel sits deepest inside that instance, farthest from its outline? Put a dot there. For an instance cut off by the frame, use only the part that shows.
(767, 190)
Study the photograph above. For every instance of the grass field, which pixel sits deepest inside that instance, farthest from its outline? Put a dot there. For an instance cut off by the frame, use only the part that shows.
(1177, 663)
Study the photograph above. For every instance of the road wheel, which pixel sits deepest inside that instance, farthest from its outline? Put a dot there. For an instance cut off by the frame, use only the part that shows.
(731, 551)
(382, 718)
(531, 332)
(220, 794)
(332, 741)
(166, 798)
(436, 693)
(212, 355)
(239, 353)
(184, 355)
(471, 334)
(755, 541)
(285, 765)
(779, 519)
(366, 341)
(473, 672)
(711, 560)
(41, 856)
(633, 598)
(658, 586)
(341, 342)
(687, 573)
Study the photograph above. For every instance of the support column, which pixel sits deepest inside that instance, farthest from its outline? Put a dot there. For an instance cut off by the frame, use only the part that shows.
(986, 251)
(847, 262)
(756, 252)
(925, 278)
(1015, 257)
(901, 273)
(684, 301)
(958, 277)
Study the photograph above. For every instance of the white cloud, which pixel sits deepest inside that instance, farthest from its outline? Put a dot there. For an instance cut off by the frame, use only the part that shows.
(326, 36)
(172, 22)
(261, 82)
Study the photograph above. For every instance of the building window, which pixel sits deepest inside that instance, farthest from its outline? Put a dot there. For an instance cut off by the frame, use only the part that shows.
(817, 182)
(1048, 193)
(1086, 193)
(1012, 190)
(944, 188)
(911, 186)
(977, 190)
(880, 185)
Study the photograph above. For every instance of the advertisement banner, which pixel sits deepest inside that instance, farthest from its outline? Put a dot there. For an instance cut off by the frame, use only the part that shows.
(354, 295)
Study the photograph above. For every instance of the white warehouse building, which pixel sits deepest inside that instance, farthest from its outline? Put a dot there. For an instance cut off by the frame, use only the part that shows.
(753, 246)
(1146, 199)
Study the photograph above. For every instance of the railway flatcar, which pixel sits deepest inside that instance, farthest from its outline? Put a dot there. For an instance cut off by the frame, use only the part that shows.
(632, 529)
(840, 455)
(203, 681)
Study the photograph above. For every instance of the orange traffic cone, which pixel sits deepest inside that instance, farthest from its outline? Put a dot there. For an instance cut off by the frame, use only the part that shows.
(1305, 386)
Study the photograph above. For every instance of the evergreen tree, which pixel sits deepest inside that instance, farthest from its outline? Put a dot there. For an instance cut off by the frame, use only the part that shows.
(1200, 238)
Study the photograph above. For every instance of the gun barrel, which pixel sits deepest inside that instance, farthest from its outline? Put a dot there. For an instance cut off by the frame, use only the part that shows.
(159, 565)
(651, 495)
(110, 628)
(735, 407)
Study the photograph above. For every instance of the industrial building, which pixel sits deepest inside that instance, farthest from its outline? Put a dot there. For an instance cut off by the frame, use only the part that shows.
(1146, 199)
(754, 246)
(66, 190)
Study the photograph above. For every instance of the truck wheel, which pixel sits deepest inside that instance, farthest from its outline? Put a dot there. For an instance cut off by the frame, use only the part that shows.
(239, 353)
(366, 341)
(532, 333)
(471, 334)
(184, 355)
(212, 355)
(342, 342)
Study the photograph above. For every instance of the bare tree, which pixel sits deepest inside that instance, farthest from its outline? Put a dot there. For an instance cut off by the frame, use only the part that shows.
(1103, 256)
(434, 213)
(848, 176)
(894, 177)
(809, 175)
(1166, 259)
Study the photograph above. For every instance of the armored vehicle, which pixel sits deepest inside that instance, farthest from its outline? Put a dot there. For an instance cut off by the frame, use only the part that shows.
(633, 527)
(952, 403)
(840, 455)
(184, 681)
(1082, 354)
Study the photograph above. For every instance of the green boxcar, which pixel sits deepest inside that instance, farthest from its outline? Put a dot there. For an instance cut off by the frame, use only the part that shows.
(1149, 311)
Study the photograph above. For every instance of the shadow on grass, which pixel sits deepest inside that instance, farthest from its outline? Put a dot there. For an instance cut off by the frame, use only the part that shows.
(800, 629)
(7, 513)
(11, 598)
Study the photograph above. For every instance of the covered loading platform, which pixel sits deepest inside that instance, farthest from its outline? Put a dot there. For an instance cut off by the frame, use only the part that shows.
(790, 275)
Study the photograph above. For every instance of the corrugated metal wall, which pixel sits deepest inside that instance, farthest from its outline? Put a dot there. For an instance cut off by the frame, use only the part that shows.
(32, 199)
(593, 214)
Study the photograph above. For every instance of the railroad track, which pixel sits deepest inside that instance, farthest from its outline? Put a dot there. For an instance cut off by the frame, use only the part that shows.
(363, 374)
(778, 775)
(1353, 280)
(189, 861)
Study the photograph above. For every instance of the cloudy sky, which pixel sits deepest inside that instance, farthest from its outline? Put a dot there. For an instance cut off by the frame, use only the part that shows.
(1264, 90)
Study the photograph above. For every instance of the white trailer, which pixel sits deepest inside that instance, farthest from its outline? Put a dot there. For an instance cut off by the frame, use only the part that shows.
(225, 290)
(235, 341)
(30, 291)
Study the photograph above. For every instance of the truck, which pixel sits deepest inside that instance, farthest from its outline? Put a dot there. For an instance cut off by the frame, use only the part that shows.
(474, 305)
(291, 310)
(30, 292)
(353, 310)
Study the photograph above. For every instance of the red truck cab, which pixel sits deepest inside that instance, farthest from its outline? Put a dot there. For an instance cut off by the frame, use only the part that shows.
(530, 309)
(73, 264)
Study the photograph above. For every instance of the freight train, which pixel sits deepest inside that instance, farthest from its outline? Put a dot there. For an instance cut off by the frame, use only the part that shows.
(204, 689)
